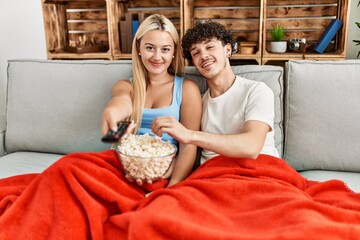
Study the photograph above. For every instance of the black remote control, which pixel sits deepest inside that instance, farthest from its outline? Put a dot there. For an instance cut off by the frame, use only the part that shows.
(112, 136)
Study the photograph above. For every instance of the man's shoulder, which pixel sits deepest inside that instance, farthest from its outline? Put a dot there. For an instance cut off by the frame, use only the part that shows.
(245, 81)
(250, 84)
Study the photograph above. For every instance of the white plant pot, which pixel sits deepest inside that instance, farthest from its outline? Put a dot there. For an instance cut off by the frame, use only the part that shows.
(278, 47)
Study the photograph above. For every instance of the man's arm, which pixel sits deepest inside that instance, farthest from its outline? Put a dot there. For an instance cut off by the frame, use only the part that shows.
(247, 144)
(190, 117)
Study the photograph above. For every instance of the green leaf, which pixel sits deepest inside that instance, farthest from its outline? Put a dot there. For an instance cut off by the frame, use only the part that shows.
(357, 41)
(277, 33)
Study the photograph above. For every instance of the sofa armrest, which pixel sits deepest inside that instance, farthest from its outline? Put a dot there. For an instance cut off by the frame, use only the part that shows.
(2, 134)
(2, 115)
(2, 144)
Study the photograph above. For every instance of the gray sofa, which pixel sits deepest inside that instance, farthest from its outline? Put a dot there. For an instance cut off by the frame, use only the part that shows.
(54, 108)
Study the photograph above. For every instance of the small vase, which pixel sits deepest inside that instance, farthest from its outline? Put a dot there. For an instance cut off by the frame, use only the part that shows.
(278, 47)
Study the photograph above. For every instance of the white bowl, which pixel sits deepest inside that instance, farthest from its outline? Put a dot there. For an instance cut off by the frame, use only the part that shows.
(150, 167)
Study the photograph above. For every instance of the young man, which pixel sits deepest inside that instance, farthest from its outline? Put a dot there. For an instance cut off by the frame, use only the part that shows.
(238, 113)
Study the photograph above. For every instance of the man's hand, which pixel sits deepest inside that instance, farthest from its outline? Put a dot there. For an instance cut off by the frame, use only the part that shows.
(172, 127)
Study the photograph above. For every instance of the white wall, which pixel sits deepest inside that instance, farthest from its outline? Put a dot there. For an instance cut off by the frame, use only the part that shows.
(22, 31)
(354, 31)
(22, 36)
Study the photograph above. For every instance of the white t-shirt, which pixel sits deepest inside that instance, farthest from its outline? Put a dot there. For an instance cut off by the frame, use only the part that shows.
(245, 100)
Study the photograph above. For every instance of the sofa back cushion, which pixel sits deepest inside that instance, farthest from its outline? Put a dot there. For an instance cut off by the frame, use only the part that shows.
(55, 106)
(270, 75)
(322, 114)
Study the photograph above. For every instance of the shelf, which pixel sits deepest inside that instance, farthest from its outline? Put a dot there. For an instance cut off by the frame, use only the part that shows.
(110, 23)
(75, 23)
(136, 11)
(66, 55)
(242, 18)
(305, 19)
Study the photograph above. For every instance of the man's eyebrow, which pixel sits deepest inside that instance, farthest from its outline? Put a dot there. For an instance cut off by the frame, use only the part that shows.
(208, 40)
(204, 41)
(192, 49)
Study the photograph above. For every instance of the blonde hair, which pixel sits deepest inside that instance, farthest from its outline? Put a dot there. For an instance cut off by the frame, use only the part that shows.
(140, 75)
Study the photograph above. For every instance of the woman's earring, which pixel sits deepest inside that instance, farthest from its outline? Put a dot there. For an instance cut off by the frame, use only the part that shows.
(173, 56)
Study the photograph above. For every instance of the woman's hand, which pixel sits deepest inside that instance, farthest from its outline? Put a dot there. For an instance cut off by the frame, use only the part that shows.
(118, 108)
(110, 117)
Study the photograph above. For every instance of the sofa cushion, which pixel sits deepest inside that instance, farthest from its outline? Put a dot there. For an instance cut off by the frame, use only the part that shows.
(26, 162)
(65, 119)
(322, 114)
(351, 179)
(55, 106)
(270, 75)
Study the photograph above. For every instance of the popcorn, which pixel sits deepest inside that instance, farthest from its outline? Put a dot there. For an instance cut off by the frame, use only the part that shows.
(145, 157)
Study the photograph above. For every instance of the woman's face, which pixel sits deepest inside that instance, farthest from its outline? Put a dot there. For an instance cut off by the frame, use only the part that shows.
(157, 50)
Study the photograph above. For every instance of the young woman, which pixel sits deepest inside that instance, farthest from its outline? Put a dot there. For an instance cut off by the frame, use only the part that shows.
(157, 89)
(81, 195)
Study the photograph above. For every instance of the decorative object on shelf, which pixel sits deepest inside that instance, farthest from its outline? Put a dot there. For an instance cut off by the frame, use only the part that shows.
(123, 4)
(86, 45)
(125, 33)
(298, 45)
(328, 35)
(357, 41)
(235, 47)
(278, 45)
(247, 47)
(127, 29)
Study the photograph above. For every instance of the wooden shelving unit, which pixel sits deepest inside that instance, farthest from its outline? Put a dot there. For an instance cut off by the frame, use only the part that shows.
(68, 22)
(305, 19)
(104, 21)
(242, 18)
(137, 10)
(108, 25)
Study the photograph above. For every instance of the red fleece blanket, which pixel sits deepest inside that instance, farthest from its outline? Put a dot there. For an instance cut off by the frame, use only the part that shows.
(85, 196)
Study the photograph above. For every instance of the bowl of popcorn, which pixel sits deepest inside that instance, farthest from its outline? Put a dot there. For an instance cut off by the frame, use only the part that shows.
(145, 157)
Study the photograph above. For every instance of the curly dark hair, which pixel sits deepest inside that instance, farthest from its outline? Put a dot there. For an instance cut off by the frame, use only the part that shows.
(204, 31)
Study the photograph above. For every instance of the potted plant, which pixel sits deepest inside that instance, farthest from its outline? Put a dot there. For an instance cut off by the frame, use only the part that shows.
(357, 42)
(278, 45)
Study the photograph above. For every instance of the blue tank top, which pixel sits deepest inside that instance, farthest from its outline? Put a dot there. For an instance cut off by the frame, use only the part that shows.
(173, 110)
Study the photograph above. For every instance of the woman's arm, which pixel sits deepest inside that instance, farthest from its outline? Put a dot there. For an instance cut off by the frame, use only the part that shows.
(190, 117)
(118, 108)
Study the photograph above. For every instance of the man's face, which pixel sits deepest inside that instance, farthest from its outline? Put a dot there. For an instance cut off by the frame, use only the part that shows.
(210, 57)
